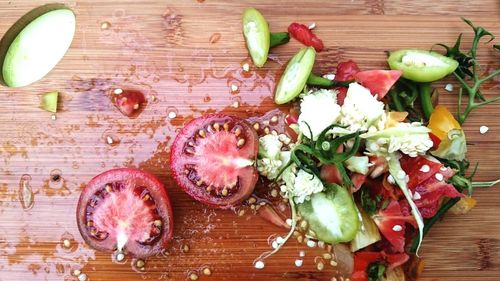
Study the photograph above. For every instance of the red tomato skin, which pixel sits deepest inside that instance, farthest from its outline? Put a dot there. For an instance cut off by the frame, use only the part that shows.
(346, 71)
(435, 141)
(379, 82)
(341, 94)
(305, 36)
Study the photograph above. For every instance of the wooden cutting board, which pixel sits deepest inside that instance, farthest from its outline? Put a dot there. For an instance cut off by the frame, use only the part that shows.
(185, 55)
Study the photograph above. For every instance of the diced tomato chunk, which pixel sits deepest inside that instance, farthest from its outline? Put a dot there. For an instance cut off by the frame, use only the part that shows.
(379, 82)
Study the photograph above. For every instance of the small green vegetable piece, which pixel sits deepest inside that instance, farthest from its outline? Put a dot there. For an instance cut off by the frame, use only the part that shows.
(331, 214)
(294, 78)
(257, 36)
(421, 65)
(279, 38)
(376, 271)
(49, 101)
(38, 47)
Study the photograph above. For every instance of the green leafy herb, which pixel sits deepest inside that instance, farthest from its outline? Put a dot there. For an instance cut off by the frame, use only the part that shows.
(369, 204)
(376, 271)
(468, 72)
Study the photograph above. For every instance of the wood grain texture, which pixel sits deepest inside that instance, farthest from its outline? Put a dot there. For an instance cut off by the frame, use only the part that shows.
(166, 49)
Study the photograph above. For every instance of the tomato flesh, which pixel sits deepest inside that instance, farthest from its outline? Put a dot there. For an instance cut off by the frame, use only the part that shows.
(129, 102)
(379, 82)
(125, 210)
(346, 71)
(212, 160)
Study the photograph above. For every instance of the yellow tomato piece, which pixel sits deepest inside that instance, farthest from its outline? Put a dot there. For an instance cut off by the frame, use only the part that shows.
(394, 117)
(442, 121)
(463, 206)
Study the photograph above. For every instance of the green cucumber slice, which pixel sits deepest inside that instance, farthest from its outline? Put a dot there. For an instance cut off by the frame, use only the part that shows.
(331, 214)
(38, 47)
(294, 78)
(257, 36)
(49, 101)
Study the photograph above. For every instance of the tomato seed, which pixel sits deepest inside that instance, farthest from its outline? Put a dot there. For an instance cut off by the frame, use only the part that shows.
(108, 188)
(185, 248)
(226, 127)
(256, 126)
(237, 132)
(241, 142)
(202, 133)
(207, 271)
(224, 192)
(320, 266)
(216, 126)
(193, 276)
(66, 243)
(252, 200)
(140, 264)
(158, 223)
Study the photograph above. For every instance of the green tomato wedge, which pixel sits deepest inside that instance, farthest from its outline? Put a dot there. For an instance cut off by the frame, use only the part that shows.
(331, 214)
(421, 65)
(294, 79)
(257, 36)
(49, 101)
(38, 47)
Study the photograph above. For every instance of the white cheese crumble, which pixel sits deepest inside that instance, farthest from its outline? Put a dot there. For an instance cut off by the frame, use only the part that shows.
(298, 263)
(318, 110)
(416, 196)
(259, 264)
(312, 26)
(311, 243)
(448, 87)
(439, 176)
(361, 110)
(329, 76)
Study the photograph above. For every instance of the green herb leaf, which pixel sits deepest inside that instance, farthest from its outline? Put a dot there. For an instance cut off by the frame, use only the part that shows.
(376, 271)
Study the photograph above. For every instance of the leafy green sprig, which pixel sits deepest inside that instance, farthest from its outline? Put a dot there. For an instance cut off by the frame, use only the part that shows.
(467, 73)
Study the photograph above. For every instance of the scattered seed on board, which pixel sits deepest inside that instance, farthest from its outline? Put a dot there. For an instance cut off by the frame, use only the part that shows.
(333, 263)
(448, 87)
(185, 248)
(76, 272)
(140, 263)
(120, 257)
(82, 277)
(483, 129)
(274, 193)
(252, 200)
(320, 266)
(66, 243)
(117, 91)
(207, 271)
(193, 276)
(312, 26)
(246, 67)
(259, 264)
(234, 87)
(109, 140)
(53, 117)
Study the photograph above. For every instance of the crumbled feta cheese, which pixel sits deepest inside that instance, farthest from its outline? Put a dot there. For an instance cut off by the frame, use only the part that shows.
(234, 87)
(358, 164)
(312, 26)
(246, 67)
(303, 185)
(311, 243)
(361, 110)
(270, 146)
(448, 87)
(416, 196)
(439, 176)
(318, 110)
(483, 129)
(298, 263)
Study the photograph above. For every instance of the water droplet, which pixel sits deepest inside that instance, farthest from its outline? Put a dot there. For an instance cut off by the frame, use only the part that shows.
(25, 193)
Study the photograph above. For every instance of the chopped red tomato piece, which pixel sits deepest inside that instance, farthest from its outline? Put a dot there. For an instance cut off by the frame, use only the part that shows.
(346, 71)
(379, 82)
(391, 223)
(428, 183)
(378, 166)
(435, 141)
(341, 94)
(305, 36)
(357, 181)
(362, 260)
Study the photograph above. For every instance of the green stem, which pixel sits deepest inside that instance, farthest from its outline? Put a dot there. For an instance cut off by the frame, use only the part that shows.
(278, 38)
(318, 81)
(430, 222)
(485, 183)
(489, 76)
(425, 99)
(396, 101)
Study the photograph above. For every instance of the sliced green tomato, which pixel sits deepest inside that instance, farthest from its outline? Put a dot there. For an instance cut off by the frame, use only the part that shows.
(331, 214)
(421, 65)
(367, 234)
(294, 78)
(257, 36)
(38, 47)
(49, 101)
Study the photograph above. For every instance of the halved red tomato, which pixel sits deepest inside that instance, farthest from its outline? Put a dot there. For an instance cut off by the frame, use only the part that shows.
(379, 82)
(212, 159)
(126, 210)
(392, 224)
